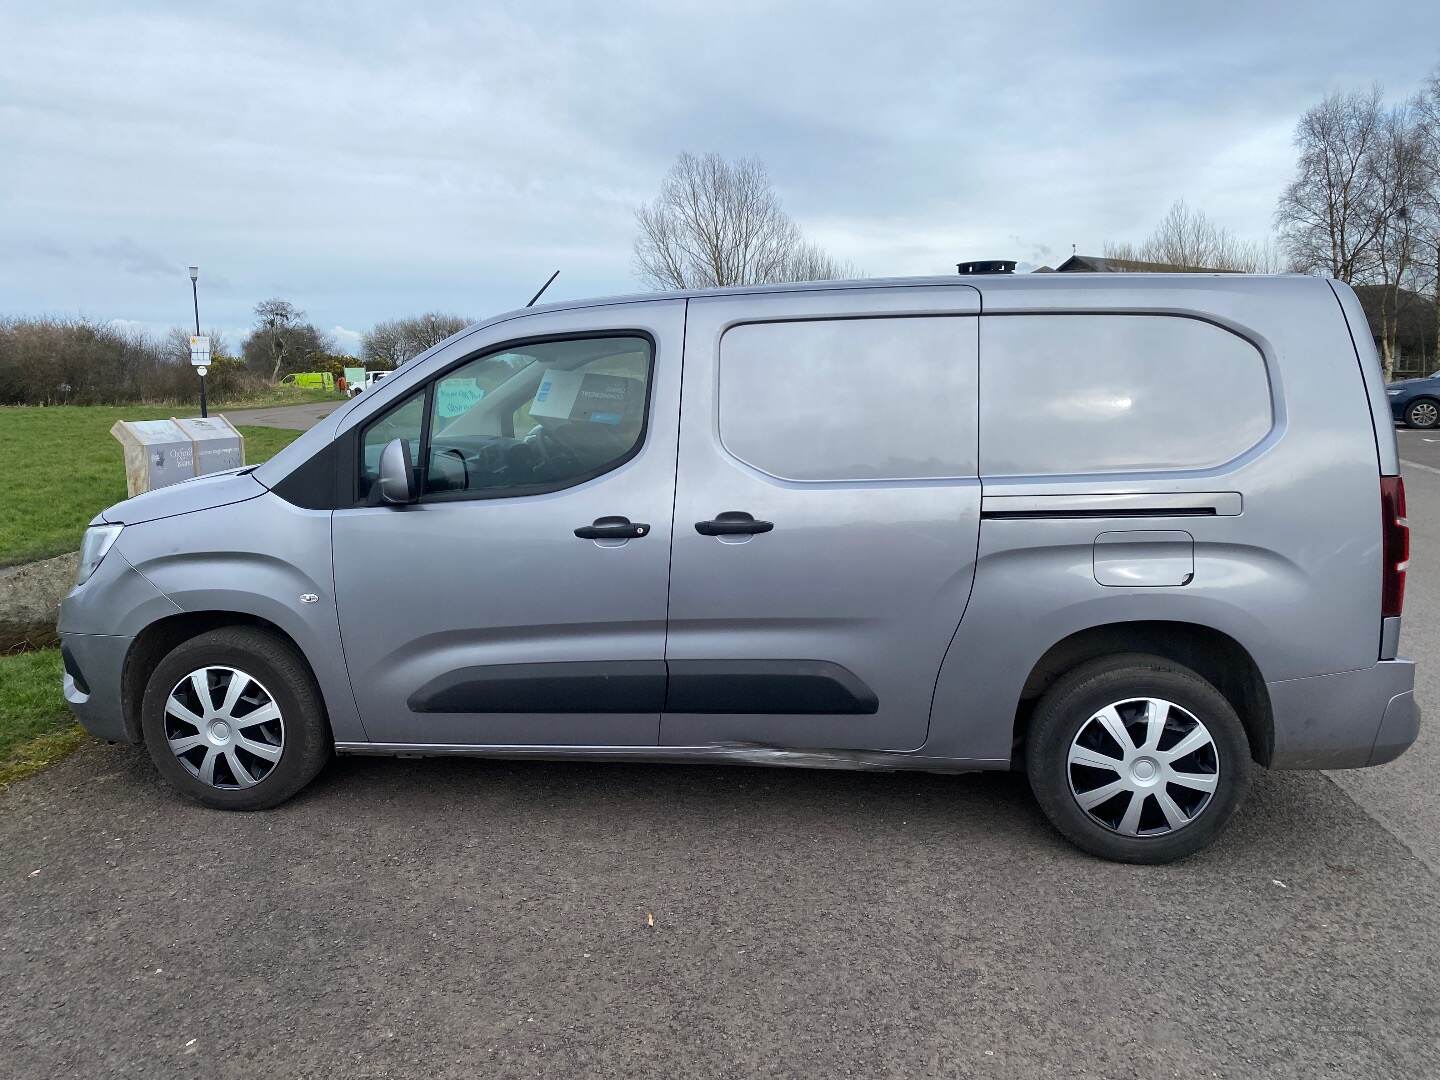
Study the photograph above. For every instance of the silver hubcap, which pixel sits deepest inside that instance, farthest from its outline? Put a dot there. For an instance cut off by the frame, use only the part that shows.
(224, 727)
(1143, 767)
(1424, 414)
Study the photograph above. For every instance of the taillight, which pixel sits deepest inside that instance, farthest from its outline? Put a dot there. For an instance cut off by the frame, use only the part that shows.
(1395, 531)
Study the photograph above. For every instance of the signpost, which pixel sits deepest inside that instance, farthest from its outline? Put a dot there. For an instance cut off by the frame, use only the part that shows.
(200, 360)
(199, 346)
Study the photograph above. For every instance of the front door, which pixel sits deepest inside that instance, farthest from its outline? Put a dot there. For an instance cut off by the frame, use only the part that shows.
(478, 616)
(826, 518)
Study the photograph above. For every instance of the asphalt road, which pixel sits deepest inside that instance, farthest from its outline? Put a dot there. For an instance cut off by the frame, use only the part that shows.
(293, 417)
(452, 918)
(1405, 795)
(1420, 447)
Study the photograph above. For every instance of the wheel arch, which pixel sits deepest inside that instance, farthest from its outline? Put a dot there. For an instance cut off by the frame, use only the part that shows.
(1212, 654)
(156, 640)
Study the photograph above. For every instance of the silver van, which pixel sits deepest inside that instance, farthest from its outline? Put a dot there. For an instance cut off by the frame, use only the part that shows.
(1132, 534)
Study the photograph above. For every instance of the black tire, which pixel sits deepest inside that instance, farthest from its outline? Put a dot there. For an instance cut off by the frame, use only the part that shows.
(283, 675)
(1429, 410)
(1083, 692)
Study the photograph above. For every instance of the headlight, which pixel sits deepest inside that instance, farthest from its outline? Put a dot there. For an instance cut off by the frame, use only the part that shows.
(1394, 393)
(98, 539)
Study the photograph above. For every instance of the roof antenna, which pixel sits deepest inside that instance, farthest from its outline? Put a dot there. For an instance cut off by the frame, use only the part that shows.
(541, 293)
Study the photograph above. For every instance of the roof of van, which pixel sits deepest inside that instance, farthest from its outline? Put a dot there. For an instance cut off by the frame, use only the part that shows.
(1068, 280)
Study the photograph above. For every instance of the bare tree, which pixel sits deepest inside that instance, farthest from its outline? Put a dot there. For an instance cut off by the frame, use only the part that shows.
(394, 341)
(275, 319)
(1187, 240)
(77, 361)
(1398, 184)
(1364, 206)
(716, 223)
(282, 339)
(1425, 211)
(175, 345)
(1331, 214)
(809, 262)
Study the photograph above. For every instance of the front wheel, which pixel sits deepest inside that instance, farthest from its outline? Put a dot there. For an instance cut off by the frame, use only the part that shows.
(233, 719)
(1137, 759)
(1422, 414)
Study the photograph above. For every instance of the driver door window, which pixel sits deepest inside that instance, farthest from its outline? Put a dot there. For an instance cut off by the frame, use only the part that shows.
(531, 419)
(537, 418)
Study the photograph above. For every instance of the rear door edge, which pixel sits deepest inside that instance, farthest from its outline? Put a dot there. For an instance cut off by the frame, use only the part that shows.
(1381, 422)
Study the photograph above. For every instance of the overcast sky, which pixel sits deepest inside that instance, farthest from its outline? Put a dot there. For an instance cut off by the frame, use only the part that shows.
(366, 161)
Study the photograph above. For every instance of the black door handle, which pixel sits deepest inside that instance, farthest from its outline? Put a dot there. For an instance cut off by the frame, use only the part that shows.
(733, 523)
(612, 528)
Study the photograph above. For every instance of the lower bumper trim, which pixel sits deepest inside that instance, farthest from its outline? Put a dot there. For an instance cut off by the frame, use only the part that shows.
(1346, 720)
(94, 665)
(1399, 728)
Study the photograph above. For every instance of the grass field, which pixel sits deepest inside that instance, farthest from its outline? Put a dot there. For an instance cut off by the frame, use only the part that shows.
(63, 466)
(36, 728)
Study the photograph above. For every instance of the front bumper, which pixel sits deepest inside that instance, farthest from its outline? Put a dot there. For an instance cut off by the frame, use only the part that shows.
(1347, 720)
(98, 622)
(94, 672)
(1397, 409)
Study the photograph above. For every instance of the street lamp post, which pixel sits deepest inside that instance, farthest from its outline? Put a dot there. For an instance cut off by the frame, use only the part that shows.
(195, 296)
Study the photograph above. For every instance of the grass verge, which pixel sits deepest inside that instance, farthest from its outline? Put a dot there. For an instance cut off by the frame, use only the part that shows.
(65, 467)
(36, 728)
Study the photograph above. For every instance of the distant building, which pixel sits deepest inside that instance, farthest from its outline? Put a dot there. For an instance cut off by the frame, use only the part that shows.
(1096, 264)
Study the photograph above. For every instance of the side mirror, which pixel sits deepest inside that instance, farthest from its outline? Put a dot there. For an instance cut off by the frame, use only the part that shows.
(397, 473)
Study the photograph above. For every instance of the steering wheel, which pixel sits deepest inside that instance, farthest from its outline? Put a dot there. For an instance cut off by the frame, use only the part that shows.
(555, 456)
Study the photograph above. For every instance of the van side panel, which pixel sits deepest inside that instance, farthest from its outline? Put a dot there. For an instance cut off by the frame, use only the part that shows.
(1293, 576)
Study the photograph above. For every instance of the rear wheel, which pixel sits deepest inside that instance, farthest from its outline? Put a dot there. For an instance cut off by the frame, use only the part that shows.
(1137, 759)
(233, 719)
(1423, 413)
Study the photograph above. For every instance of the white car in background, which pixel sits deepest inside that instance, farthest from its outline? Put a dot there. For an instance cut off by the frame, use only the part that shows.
(371, 378)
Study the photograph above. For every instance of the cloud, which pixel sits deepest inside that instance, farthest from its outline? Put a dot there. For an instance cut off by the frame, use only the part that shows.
(132, 258)
(347, 339)
(133, 326)
(1030, 252)
(370, 161)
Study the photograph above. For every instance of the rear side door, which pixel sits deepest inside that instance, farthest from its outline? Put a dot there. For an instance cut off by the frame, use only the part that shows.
(826, 515)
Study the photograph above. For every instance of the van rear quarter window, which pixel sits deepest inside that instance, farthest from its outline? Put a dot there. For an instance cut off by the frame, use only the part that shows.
(1073, 394)
(851, 399)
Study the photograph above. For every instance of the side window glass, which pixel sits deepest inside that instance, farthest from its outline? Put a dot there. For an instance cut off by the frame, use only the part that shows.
(851, 399)
(404, 421)
(538, 417)
(1072, 394)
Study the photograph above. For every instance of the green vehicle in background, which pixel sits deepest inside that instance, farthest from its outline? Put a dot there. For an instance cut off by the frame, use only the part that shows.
(313, 380)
